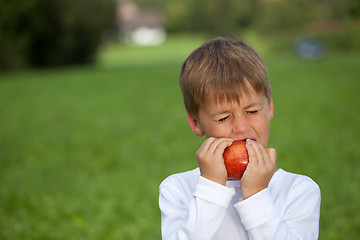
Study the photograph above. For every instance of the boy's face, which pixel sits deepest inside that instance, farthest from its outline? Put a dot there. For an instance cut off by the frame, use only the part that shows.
(250, 118)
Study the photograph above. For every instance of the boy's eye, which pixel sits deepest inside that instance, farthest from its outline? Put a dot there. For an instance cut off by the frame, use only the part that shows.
(252, 112)
(223, 119)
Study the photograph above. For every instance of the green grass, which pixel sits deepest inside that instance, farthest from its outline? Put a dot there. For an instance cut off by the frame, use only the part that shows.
(83, 149)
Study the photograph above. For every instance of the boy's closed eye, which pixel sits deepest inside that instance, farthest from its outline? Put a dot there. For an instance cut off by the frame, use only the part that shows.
(224, 118)
(252, 112)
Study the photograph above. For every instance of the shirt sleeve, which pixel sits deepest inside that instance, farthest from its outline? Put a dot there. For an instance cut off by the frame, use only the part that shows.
(297, 218)
(197, 218)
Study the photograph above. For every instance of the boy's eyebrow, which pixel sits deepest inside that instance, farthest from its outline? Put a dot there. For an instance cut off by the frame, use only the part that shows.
(246, 107)
(253, 105)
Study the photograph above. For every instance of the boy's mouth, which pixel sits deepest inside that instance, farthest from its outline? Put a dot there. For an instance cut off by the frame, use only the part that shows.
(244, 139)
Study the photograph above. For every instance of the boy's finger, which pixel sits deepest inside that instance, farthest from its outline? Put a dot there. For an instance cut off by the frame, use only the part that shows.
(207, 143)
(220, 144)
(258, 151)
(251, 151)
(204, 148)
(272, 155)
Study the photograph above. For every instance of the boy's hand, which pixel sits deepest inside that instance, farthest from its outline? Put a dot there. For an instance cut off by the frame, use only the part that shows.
(260, 169)
(210, 159)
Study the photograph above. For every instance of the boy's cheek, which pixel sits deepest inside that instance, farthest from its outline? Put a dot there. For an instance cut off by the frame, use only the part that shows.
(220, 131)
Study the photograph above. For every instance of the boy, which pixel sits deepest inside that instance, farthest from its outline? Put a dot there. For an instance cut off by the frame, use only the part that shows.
(227, 96)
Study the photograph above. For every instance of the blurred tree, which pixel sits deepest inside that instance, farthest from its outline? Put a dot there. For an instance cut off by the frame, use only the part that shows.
(216, 17)
(222, 17)
(353, 8)
(36, 33)
(151, 4)
(280, 16)
(177, 16)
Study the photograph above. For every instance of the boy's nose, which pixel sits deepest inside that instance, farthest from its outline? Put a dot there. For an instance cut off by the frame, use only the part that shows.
(241, 125)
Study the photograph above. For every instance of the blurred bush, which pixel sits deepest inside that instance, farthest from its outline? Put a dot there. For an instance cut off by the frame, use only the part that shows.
(37, 33)
(346, 37)
(216, 17)
(278, 23)
(335, 23)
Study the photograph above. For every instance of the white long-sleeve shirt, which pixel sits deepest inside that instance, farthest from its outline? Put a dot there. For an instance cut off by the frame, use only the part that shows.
(193, 207)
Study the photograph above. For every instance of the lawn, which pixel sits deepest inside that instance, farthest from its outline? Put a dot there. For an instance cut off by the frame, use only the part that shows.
(83, 149)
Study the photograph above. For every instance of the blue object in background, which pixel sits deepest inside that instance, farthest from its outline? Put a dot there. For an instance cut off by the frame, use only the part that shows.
(309, 48)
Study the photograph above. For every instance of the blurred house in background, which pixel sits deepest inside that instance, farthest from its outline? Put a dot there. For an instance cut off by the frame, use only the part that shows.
(137, 27)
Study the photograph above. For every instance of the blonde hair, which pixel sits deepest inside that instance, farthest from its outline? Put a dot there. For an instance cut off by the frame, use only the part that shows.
(224, 68)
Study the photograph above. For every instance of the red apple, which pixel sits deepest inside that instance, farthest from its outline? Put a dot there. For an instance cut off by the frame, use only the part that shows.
(236, 159)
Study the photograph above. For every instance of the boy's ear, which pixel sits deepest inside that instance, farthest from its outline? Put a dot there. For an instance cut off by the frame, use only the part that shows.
(194, 125)
(271, 110)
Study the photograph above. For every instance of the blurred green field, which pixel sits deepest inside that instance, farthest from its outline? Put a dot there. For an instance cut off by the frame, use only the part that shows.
(83, 149)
